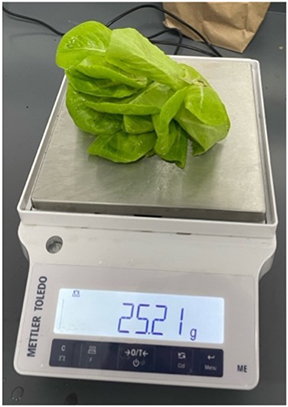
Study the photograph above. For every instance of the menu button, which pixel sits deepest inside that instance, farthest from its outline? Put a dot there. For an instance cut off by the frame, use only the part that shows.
(211, 362)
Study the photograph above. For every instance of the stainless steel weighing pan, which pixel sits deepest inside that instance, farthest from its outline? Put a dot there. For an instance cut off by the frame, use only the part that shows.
(226, 183)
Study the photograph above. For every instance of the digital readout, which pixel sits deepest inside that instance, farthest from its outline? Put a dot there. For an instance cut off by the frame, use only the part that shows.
(164, 317)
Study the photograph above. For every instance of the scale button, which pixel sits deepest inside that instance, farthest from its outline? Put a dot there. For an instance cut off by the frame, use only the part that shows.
(211, 362)
(136, 358)
(62, 352)
(90, 355)
(98, 355)
(181, 361)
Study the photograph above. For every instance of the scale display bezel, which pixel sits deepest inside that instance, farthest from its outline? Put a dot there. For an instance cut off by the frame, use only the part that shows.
(137, 315)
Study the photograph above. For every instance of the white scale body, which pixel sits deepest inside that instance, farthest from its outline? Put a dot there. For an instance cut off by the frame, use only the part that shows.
(171, 257)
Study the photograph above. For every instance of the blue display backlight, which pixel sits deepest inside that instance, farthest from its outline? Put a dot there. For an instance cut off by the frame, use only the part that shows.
(164, 317)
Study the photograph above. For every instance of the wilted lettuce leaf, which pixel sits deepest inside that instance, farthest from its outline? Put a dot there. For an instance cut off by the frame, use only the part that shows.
(97, 67)
(206, 105)
(192, 76)
(146, 102)
(138, 124)
(89, 38)
(178, 151)
(205, 135)
(88, 119)
(165, 137)
(129, 50)
(122, 147)
(98, 87)
(204, 117)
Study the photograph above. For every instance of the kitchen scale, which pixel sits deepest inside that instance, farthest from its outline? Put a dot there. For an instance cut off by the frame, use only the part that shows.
(145, 272)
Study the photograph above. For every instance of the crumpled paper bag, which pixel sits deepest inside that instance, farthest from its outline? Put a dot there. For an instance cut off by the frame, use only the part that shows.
(227, 25)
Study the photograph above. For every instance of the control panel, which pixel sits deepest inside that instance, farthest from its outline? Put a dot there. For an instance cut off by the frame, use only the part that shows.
(137, 358)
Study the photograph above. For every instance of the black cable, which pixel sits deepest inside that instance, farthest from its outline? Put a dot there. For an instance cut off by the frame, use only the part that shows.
(34, 20)
(131, 10)
(179, 32)
(190, 47)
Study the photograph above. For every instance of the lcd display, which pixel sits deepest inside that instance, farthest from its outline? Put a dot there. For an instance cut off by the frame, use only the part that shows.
(134, 315)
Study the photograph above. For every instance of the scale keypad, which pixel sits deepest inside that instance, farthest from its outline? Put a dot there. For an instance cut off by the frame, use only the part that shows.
(137, 358)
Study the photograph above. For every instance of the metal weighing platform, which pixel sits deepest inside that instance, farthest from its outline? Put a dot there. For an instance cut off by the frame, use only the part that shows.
(224, 184)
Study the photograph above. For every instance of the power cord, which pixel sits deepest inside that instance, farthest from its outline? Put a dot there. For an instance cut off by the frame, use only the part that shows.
(177, 45)
(165, 31)
(34, 20)
(169, 14)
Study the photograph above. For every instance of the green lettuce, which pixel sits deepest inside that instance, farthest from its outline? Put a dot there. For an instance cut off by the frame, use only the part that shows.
(123, 147)
(132, 52)
(96, 66)
(137, 101)
(89, 38)
(161, 122)
(87, 119)
(203, 117)
(192, 76)
(146, 102)
(137, 124)
(98, 87)
(178, 151)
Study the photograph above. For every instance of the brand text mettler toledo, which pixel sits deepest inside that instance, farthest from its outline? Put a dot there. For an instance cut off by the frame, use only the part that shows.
(36, 319)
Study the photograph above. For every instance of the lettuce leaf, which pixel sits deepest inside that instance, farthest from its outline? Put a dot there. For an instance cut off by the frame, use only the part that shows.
(98, 87)
(178, 151)
(161, 122)
(122, 147)
(88, 119)
(204, 134)
(146, 102)
(193, 77)
(89, 38)
(96, 66)
(137, 124)
(205, 104)
(133, 53)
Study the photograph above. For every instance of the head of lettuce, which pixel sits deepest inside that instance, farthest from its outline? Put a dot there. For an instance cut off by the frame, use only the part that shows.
(135, 99)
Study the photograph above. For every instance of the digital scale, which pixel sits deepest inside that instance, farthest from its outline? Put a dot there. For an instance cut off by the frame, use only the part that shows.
(145, 272)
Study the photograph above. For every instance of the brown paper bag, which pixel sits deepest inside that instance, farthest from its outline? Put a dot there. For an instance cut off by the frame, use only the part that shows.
(227, 25)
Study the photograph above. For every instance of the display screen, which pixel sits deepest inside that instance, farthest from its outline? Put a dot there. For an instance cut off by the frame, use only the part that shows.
(132, 315)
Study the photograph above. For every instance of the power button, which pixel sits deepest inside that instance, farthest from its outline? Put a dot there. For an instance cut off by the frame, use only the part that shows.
(136, 358)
